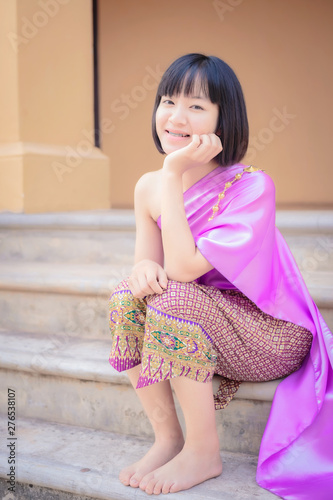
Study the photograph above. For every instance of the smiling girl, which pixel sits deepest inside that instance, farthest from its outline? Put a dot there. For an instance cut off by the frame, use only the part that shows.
(214, 288)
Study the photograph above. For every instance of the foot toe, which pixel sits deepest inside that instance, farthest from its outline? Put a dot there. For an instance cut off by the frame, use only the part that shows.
(149, 486)
(167, 487)
(158, 487)
(173, 488)
(124, 478)
(144, 481)
(134, 481)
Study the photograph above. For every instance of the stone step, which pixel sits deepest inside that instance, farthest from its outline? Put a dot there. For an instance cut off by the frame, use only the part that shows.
(61, 462)
(86, 220)
(56, 274)
(286, 220)
(108, 237)
(102, 237)
(97, 247)
(45, 297)
(68, 380)
(73, 298)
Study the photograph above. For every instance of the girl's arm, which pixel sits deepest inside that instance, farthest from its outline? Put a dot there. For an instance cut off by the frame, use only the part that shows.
(148, 275)
(183, 260)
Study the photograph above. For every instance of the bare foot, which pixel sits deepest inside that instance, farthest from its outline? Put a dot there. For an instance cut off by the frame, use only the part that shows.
(188, 468)
(159, 454)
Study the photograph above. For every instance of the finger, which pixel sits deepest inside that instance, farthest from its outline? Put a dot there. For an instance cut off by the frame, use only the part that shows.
(206, 140)
(162, 277)
(206, 151)
(134, 287)
(211, 143)
(216, 140)
(195, 142)
(154, 284)
(217, 144)
(144, 286)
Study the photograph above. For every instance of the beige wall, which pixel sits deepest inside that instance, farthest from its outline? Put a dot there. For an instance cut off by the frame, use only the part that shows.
(48, 161)
(281, 52)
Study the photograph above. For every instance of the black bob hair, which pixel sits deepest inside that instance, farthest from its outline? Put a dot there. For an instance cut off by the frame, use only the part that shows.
(218, 82)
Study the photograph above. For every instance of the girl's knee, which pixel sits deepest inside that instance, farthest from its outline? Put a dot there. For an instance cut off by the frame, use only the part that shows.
(121, 287)
(174, 298)
(124, 307)
(123, 298)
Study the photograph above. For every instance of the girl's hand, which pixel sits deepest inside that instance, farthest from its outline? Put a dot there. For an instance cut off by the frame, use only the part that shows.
(200, 151)
(147, 278)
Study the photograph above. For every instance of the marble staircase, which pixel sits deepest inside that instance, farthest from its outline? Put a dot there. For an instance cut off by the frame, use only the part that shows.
(78, 421)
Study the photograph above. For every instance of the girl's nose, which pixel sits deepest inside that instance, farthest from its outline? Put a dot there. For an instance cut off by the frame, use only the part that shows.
(178, 115)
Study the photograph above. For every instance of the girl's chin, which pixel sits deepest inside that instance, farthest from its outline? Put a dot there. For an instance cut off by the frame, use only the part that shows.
(170, 149)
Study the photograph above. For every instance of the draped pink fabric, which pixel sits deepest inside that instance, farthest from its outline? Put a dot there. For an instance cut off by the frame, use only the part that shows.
(248, 252)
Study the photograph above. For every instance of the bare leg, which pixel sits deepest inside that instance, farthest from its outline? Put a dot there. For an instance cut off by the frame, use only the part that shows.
(200, 458)
(158, 403)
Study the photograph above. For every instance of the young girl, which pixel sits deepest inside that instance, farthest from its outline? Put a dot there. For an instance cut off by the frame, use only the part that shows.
(214, 289)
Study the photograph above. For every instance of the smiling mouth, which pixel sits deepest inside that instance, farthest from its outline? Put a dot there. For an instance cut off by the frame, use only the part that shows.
(177, 135)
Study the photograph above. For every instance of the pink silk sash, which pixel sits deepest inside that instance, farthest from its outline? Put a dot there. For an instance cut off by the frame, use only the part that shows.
(248, 252)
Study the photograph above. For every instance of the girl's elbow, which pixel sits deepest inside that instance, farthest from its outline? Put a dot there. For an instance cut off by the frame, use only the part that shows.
(180, 274)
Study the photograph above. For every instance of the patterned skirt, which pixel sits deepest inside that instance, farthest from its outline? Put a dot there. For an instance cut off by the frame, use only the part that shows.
(195, 330)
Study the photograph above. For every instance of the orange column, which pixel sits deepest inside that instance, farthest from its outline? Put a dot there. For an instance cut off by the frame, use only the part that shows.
(48, 161)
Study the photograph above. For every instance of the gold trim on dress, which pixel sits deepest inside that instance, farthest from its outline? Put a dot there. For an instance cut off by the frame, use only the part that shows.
(227, 185)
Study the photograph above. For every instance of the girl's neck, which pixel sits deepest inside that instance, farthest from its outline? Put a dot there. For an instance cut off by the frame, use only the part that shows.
(194, 174)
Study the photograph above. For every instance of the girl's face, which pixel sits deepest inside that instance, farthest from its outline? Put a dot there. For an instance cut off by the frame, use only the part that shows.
(179, 117)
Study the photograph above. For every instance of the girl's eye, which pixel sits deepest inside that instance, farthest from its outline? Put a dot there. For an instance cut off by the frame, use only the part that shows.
(196, 106)
(167, 101)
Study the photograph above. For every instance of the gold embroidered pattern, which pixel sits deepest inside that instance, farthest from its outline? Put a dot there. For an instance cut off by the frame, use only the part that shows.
(227, 185)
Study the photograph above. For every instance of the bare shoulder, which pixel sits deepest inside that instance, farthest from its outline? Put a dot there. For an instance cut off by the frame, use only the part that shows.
(147, 181)
(148, 193)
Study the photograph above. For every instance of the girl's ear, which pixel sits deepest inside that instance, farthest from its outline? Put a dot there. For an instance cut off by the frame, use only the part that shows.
(218, 132)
